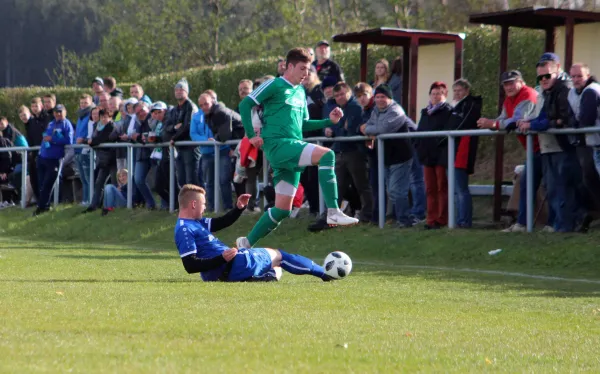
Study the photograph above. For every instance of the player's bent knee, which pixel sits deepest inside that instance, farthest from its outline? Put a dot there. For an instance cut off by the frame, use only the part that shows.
(328, 159)
(275, 257)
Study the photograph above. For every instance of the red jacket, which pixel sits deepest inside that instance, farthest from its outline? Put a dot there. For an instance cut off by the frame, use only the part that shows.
(248, 153)
(510, 103)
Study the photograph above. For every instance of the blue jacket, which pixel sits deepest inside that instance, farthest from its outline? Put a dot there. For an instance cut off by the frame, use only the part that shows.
(81, 130)
(62, 134)
(200, 131)
(349, 125)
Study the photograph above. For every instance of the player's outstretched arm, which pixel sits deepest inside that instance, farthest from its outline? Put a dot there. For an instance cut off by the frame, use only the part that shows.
(334, 118)
(230, 217)
(193, 264)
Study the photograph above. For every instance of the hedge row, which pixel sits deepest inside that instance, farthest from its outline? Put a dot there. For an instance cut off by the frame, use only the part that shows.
(481, 56)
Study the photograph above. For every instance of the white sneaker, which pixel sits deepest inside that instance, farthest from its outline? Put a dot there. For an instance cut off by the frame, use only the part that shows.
(548, 229)
(242, 242)
(294, 213)
(337, 218)
(517, 227)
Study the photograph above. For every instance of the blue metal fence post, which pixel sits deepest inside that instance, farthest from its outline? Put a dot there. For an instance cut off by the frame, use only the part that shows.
(529, 182)
(381, 183)
(451, 182)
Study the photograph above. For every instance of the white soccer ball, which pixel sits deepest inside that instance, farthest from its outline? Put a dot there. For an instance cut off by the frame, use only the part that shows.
(338, 265)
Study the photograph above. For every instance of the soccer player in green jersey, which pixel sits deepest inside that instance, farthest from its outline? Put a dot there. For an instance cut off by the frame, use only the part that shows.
(285, 117)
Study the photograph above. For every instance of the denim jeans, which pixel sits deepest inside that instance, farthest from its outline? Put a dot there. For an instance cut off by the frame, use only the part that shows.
(398, 185)
(142, 168)
(597, 159)
(113, 198)
(464, 201)
(83, 166)
(417, 189)
(47, 172)
(562, 174)
(537, 180)
(208, 171)
(187, 164)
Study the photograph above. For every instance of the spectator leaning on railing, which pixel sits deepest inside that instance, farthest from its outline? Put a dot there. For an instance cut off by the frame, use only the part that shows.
(82, 155)
(105, 157)
(433, 155)
(388, 117)
(58, 134)
(142, 160)
(561, 167)
(160, 157)
(16, 139)
(519, 103)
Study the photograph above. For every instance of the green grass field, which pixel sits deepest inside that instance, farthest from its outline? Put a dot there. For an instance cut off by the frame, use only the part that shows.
(88, 294)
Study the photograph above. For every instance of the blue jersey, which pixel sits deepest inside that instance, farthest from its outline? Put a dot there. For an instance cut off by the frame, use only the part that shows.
(194, 237)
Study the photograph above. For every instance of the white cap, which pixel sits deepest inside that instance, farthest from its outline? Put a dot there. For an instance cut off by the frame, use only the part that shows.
(159, 105)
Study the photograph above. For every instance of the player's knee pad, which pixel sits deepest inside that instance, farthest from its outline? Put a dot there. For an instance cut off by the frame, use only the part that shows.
(277, 215)
(328, 159)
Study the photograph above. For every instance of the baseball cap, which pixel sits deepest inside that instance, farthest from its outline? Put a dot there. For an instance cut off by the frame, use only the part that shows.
(98, 80)
(159, 105)
(59, 108)
(323, 42)
(512, 75)
(548, 56)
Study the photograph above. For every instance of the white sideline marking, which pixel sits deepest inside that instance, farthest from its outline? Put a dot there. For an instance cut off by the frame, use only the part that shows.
(490, 272)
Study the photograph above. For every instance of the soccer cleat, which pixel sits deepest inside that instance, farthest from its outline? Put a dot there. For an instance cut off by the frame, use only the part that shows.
(517, 227)
(242, 242)
(327, 278)
(335, 217)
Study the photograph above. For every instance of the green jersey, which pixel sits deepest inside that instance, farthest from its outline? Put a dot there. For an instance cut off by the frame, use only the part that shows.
(284, 109)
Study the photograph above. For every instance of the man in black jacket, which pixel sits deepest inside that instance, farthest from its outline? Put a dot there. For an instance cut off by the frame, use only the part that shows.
(561, 169)
(34, 132)
(105, 157)
(220, 120)
(188, 158)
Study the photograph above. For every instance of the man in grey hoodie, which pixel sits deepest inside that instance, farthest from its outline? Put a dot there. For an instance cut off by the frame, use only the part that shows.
(388, 117)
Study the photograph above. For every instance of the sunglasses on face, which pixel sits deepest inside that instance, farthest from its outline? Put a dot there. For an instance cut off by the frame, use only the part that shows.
(544, 76)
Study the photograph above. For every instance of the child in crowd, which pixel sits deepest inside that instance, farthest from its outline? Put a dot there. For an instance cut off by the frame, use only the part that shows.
(116, 197)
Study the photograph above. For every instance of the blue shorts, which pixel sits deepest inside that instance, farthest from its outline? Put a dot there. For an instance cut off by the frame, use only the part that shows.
(249, 264)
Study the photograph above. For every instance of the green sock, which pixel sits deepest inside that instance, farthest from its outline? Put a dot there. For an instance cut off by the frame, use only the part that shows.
(327, 179)
(267, 223)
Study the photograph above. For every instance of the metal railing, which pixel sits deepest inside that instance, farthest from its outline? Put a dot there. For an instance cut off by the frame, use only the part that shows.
(450, 135)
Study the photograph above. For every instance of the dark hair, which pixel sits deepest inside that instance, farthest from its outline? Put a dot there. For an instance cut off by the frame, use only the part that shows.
(439, 85)
(397, 66)
(297, 55)
(341, 86)
(50, 96)
(110, 82)
(104, 112)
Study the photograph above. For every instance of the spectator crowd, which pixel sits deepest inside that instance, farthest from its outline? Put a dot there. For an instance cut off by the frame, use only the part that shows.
(416, 184)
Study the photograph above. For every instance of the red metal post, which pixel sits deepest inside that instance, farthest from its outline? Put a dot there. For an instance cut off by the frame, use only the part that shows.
(499, 162)
(414, 59)
(569, 31)
(363, 62)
